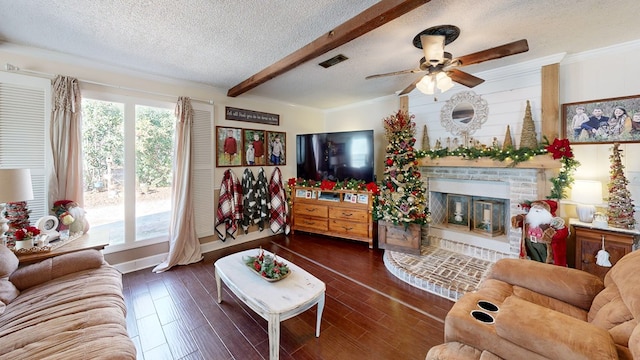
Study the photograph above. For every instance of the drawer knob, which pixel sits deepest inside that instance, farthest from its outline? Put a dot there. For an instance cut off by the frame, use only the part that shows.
(347, 214)
(311, 210)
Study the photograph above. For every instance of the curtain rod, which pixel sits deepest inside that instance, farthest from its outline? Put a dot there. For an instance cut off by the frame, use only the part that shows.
(15, 69)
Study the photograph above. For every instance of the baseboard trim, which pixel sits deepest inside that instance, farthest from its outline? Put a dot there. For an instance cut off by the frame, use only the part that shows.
(151, 261)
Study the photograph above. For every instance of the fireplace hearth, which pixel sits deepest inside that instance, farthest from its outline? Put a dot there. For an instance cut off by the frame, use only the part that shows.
(454, 259)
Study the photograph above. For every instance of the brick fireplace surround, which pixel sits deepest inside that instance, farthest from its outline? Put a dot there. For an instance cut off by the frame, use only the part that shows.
(453, 261)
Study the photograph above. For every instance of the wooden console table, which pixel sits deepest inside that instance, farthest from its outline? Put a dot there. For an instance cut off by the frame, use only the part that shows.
(340, 213)
(617, 242)
(82, 243)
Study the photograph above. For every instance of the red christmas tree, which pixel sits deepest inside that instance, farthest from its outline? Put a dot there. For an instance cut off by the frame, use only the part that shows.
(620, 209)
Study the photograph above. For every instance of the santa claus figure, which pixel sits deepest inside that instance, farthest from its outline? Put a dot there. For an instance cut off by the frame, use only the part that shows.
(544, 236)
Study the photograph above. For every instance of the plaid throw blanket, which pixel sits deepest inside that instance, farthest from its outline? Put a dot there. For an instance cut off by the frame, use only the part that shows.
(279, 207)
(229, 206)
(249, 205)
(262, 199)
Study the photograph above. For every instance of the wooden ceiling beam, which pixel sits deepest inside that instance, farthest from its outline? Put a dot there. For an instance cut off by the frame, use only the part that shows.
(372, 18)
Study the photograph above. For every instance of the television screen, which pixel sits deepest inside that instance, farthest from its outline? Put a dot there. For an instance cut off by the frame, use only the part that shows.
(335, 156)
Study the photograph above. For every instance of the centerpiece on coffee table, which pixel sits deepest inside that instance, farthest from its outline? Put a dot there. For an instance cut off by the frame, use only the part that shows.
(267, 266)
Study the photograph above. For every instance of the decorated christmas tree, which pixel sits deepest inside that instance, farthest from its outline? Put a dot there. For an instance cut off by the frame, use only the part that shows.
(620, 209)
(402, 198)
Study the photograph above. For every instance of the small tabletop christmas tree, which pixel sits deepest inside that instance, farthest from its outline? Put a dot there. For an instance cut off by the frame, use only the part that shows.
(528, 137)
(402, 195)
(620, 209)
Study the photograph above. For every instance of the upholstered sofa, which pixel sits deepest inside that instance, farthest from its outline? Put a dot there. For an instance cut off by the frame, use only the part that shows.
(66, 307)
(547, 312)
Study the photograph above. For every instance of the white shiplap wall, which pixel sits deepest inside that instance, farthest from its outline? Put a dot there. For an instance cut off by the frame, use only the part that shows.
(506, 91)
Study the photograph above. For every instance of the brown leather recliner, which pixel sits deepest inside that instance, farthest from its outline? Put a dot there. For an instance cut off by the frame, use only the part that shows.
(547, 312)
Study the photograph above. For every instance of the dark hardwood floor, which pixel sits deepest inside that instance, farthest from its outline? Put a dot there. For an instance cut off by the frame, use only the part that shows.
(369, 313)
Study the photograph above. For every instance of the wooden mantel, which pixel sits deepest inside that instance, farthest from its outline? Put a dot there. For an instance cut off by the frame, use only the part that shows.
(537, 162)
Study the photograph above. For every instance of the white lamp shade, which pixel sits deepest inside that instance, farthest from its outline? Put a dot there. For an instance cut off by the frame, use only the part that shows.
(15, 185)
(444, 82)
(427, 85)
(586, 194)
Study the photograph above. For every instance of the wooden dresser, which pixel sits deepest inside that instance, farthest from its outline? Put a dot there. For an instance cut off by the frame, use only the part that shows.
(617, 242)
(340, 213)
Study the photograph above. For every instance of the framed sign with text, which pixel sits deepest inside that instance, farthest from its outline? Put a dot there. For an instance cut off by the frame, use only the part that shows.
(232, 113)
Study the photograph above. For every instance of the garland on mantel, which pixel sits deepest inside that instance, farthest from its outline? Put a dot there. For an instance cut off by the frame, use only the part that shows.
(559, 149)
(510, 154)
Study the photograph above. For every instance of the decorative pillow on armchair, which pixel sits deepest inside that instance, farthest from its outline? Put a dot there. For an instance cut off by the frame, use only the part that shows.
(8, 264)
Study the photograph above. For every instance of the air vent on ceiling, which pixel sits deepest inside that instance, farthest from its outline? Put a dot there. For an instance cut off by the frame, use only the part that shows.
(333, 61)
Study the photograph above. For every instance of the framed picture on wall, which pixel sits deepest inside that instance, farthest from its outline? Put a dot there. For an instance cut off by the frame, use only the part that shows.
(276, 152)
(602, 121)
(253, 147)
(228, 146)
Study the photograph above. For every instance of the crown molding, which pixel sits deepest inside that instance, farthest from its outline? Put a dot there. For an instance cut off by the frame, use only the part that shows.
(92, 64)
(600, 52)
(520, 69)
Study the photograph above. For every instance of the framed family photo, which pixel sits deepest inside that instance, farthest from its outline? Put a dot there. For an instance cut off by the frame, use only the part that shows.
(602, 121)
(253, 147)
(276, 154)
(228, 146)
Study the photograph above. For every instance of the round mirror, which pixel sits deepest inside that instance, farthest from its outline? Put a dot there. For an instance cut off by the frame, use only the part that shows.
(464, 113)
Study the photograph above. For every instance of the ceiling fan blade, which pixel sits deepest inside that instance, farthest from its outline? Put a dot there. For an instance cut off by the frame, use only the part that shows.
(411, 71)
(410, 88)
(497, 52)
(464, 78)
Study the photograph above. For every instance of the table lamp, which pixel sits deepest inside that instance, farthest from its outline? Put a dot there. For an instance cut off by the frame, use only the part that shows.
(586, 194)
(15, 186)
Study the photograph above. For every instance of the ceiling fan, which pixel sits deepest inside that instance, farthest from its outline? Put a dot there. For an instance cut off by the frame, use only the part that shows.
(440, 66)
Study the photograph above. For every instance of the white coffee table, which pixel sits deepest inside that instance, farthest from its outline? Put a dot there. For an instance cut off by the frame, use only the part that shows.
(274, 301)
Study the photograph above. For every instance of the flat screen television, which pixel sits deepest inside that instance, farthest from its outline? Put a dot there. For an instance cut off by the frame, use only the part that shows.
(335, 156)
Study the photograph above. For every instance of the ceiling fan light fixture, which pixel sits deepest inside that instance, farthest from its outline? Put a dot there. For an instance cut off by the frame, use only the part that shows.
(427, 85)
(433, 47)
(444, 82)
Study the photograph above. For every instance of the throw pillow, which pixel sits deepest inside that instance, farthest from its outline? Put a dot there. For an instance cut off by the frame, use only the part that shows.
(8, 264)
(8, 292)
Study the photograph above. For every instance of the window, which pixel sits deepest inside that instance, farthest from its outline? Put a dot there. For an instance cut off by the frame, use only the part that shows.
(103, 165)
(155, 128)
(128, 157)
(127, 196)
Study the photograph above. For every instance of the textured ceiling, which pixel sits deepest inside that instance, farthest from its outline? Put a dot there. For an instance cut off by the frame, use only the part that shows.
(222, 43)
